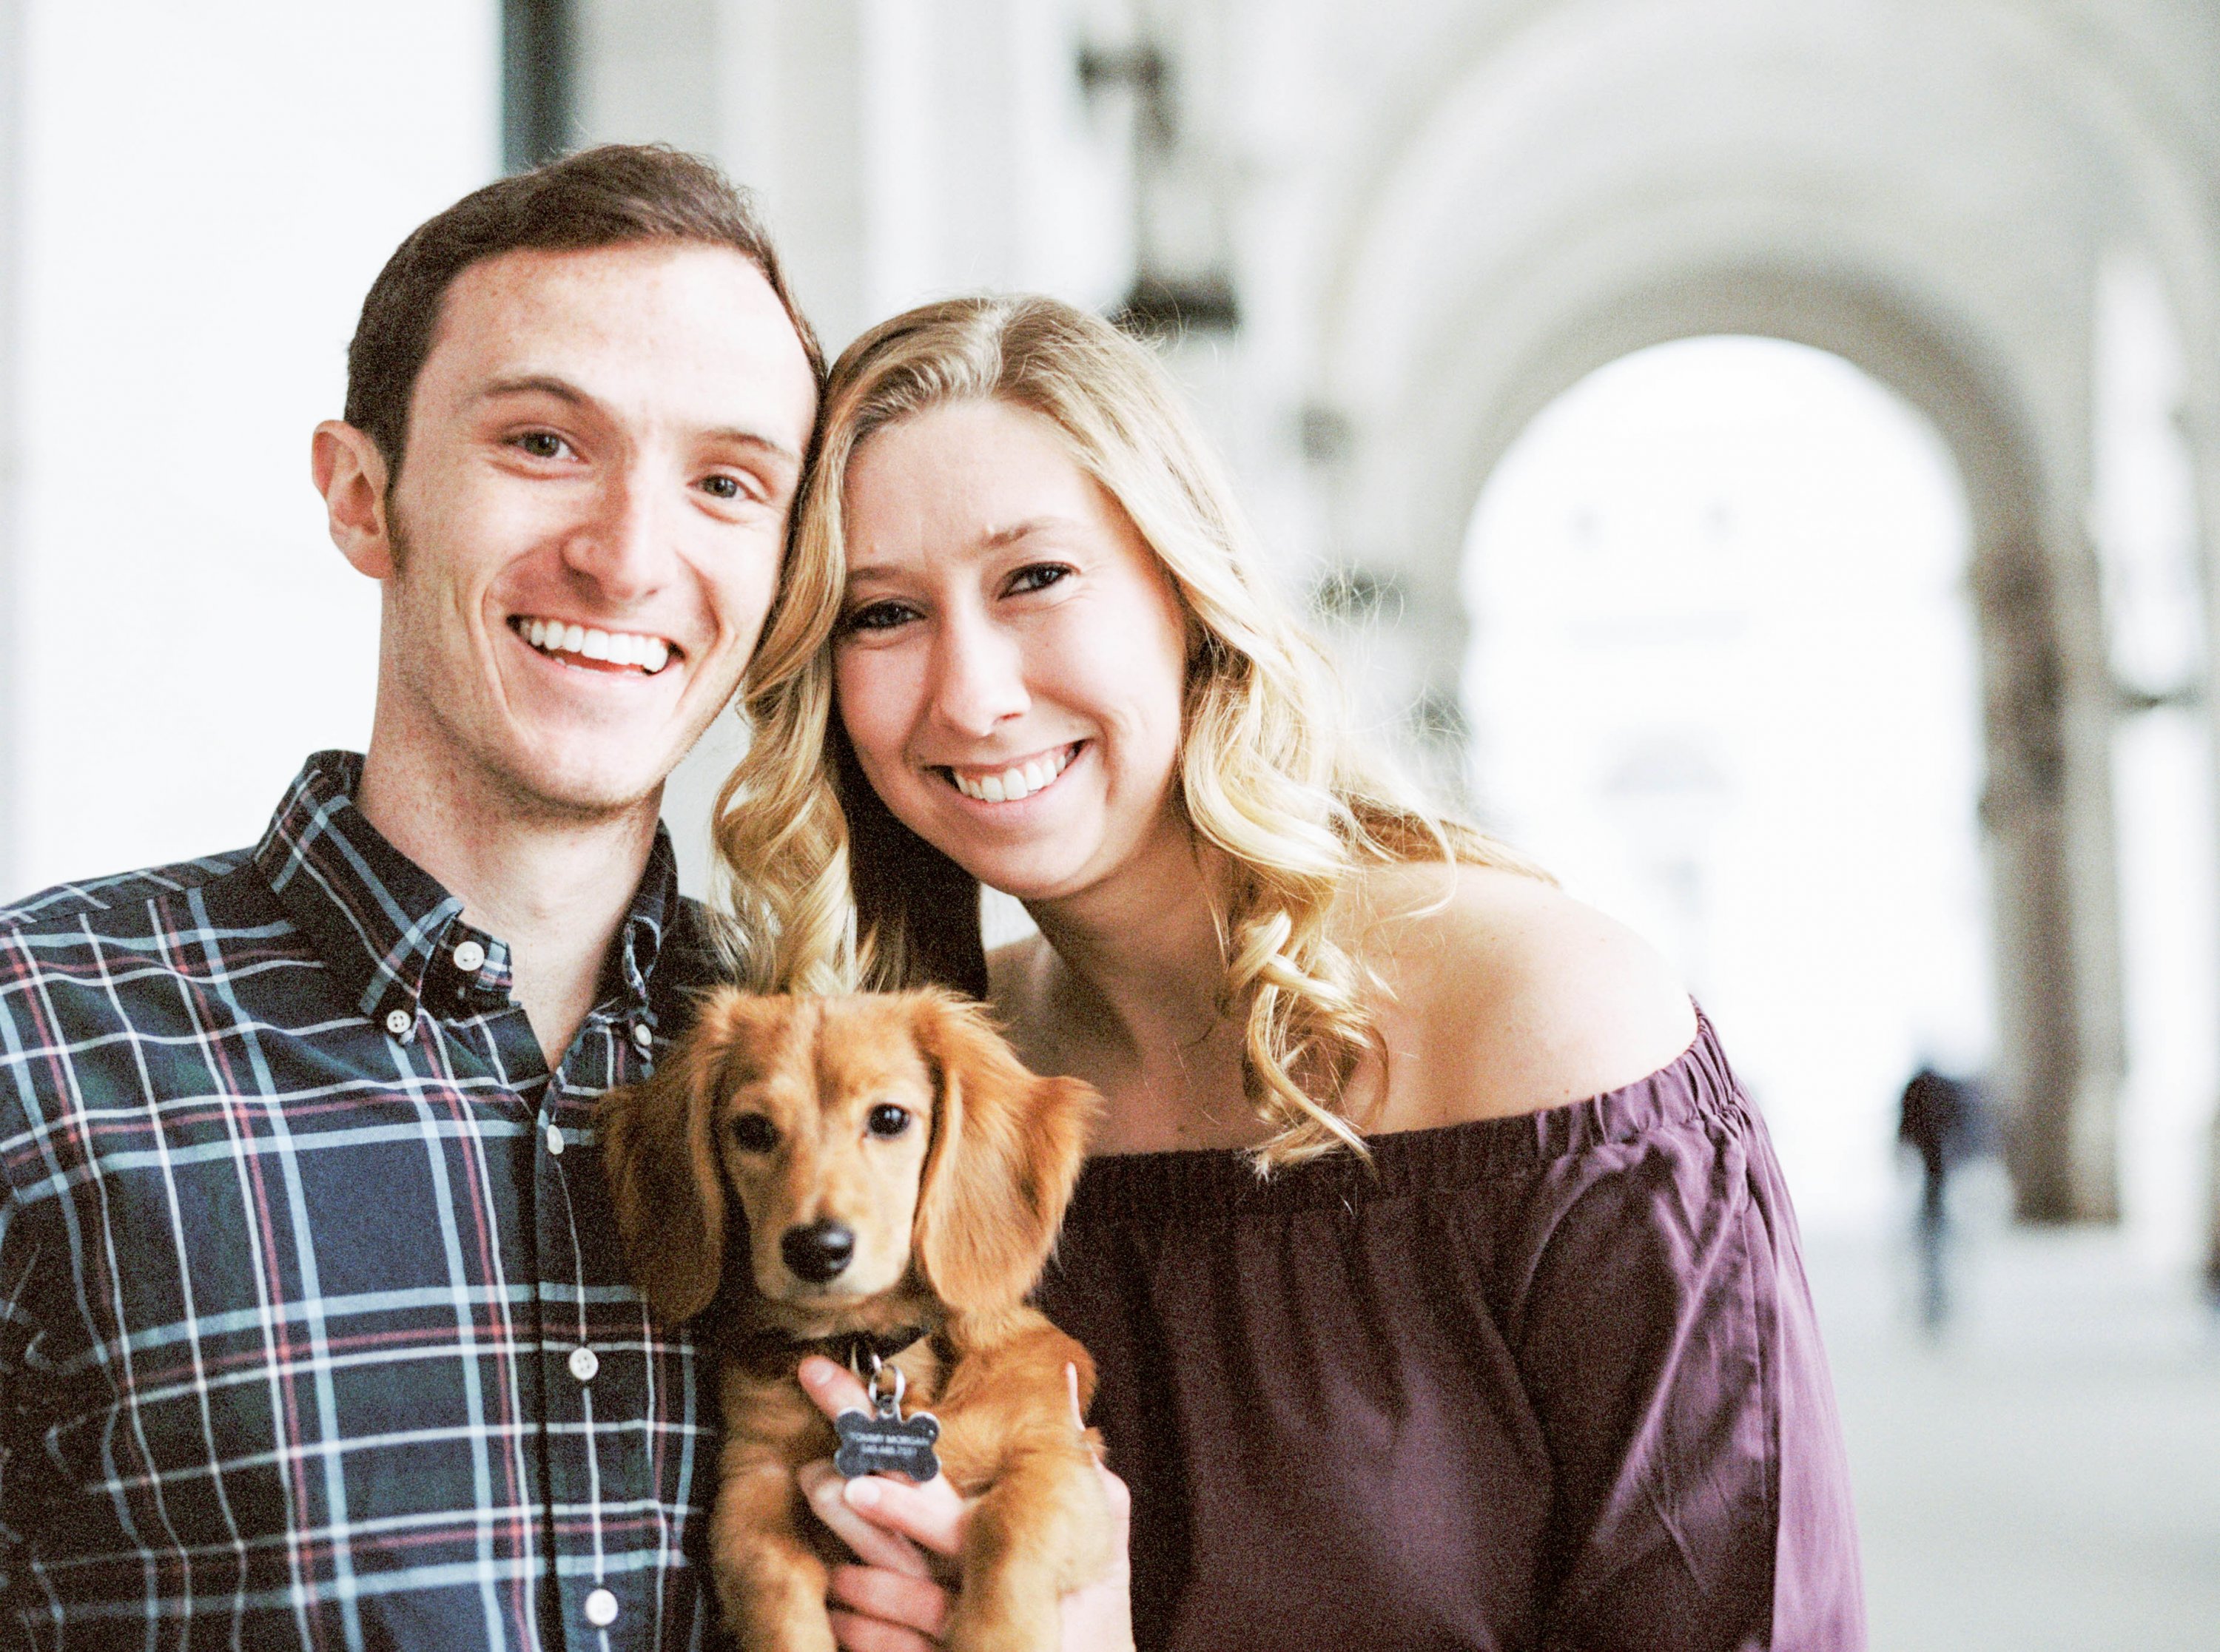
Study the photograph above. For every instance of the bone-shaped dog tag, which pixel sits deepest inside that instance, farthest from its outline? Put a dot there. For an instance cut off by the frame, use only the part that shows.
(880, 1442)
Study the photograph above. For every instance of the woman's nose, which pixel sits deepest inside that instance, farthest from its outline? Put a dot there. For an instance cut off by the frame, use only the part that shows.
(979, 677)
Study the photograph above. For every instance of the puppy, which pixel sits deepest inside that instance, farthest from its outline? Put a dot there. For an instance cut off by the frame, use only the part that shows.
(874, 1178)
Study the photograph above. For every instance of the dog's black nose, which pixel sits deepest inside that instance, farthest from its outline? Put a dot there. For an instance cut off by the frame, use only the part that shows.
(819, 1251)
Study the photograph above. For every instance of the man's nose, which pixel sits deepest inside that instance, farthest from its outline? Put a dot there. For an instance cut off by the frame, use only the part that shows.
(624, 546)
(979, 671)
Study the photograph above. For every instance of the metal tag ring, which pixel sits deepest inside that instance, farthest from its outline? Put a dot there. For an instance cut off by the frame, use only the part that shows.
(888, 1405)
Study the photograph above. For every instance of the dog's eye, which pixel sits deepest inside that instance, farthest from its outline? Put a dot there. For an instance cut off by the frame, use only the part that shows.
(754, 1133)
(888, 1119)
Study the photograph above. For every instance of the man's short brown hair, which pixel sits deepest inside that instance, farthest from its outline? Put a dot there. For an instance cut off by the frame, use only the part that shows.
(615, 196)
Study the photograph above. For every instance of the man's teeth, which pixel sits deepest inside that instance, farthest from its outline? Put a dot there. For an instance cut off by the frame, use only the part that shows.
(650, 654)
(1013, 784)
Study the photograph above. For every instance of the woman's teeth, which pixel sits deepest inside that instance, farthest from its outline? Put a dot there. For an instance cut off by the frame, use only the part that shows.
(650, 654)
(1013, 784)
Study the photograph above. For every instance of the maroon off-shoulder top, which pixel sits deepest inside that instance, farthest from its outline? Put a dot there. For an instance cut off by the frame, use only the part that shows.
(1546, 1383)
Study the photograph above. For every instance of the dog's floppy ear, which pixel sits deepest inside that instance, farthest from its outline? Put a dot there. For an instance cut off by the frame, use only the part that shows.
(1007, 1150)
(659, 1152)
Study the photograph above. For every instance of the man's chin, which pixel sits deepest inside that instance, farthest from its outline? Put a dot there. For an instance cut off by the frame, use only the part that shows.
(586, 785)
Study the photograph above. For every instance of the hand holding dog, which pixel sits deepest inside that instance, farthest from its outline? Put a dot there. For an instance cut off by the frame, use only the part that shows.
(904, 1536)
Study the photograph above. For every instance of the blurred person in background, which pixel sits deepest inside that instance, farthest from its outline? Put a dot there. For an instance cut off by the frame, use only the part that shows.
(1942, 1120)
(1442, 1284)
(313, 1326)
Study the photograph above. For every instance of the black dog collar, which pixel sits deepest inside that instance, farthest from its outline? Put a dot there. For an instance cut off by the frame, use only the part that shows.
(861, 1351)
(864, 1351)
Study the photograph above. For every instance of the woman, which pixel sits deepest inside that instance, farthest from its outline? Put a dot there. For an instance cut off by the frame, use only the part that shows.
(1443, 1283)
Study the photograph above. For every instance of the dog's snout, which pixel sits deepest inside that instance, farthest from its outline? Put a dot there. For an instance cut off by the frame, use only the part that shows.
(819, 1251)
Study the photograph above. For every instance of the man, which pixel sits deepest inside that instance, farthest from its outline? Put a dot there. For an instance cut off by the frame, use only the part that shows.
(312, 1331)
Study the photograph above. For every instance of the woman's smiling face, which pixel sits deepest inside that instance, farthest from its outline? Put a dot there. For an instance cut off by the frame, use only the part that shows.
(1010, 655)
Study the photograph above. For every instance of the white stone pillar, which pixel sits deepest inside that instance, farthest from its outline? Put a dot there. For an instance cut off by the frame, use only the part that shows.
(198, 198)
(2201, 424)
(12, 83)
(646, 73)
(902, 150)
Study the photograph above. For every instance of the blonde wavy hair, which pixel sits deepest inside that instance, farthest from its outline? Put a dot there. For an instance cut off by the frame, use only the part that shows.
(829, 891)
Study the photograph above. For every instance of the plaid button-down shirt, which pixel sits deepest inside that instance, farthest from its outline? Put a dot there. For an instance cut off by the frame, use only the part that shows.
(313, 1331)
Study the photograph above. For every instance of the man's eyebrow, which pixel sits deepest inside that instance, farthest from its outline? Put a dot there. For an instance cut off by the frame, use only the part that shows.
(757, 438)
(563, 391)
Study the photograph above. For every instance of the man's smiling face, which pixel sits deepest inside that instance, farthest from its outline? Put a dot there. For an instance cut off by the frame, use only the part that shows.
(586, 533)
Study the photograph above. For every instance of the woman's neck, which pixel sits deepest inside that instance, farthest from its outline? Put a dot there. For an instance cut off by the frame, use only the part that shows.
(1134, 986)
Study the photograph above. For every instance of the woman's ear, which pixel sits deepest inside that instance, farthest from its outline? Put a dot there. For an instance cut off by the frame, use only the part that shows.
(1007, 1151)
(658, 1150)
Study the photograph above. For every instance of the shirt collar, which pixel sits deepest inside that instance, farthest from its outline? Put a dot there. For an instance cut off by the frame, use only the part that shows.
(388, 930)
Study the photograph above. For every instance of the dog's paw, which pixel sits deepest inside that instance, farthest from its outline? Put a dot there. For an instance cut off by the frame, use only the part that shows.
(1003, 1619)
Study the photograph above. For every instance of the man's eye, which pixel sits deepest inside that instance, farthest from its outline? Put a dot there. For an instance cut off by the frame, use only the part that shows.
(753, 1133)
(1037, 577)
(878, 617)
(888, 1121)
(543, 444)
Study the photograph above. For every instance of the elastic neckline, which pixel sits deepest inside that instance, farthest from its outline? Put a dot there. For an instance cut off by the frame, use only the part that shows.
(1222, 1183)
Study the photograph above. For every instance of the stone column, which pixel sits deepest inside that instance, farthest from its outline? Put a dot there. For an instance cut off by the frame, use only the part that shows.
(790, 98)
(645, 70)
(2200, 420)
(12, 78)
(2044, 809)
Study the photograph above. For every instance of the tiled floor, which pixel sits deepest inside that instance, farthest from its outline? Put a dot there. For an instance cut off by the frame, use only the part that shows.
(2046, 1476)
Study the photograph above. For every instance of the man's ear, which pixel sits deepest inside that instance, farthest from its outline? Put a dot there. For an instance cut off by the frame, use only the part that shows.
(350, 473)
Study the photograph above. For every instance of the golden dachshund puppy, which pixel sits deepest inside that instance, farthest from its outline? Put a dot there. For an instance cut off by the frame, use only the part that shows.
(874, 1178)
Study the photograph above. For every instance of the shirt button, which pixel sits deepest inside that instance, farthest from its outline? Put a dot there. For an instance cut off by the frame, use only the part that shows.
(601, 1609)
(584, 1363)
(643, 1035)
(470, 958)
(555, 1140)
(397, 1022)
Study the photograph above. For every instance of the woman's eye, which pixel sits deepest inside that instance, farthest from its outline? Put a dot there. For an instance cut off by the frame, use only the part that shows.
(753, 1133)
(719, 485)
(1038, 577)
(878, 617)
(543, 444)
(888, 1121)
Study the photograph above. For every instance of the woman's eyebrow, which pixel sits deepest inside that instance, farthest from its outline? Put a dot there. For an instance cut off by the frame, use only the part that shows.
(1002, 537)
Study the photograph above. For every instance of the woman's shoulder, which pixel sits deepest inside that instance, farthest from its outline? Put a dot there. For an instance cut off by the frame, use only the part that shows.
(1501, 995)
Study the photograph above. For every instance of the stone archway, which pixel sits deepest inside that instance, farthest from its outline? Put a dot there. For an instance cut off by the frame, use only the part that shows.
(1925, 191)
(2047, 697)
(2045, 806)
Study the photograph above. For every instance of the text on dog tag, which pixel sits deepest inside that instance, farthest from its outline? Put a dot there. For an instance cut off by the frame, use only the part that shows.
(887, 1444)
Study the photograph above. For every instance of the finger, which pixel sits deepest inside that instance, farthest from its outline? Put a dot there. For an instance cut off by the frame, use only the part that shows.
(1071, 1384)
(910, 1602)
(1120, 1496)
(931, 1515)
(871, 1544)
(852, 1632)
(1101, 1613)
(831, 1387)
